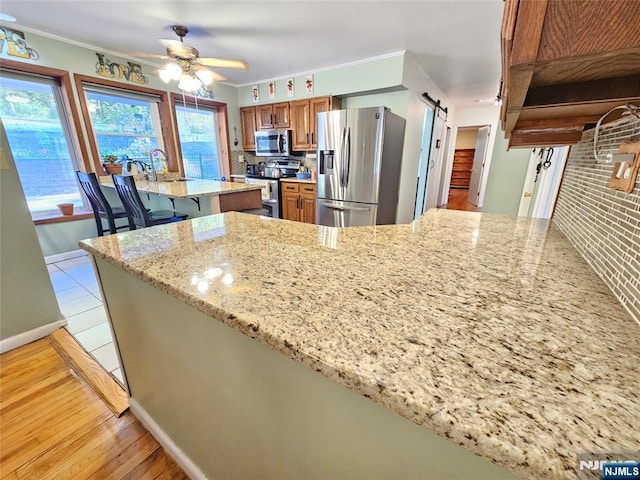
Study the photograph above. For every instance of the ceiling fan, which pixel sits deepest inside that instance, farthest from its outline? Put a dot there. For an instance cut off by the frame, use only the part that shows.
(188, 67)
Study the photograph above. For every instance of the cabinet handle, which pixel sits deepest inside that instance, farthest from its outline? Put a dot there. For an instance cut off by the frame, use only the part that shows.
(311, 137)
(272, 119)
(307, 137)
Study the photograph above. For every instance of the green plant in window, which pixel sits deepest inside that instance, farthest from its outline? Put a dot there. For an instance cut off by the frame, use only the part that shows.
(111, 158)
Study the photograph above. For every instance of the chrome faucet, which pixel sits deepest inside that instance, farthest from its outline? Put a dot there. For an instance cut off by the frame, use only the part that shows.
(154, 176)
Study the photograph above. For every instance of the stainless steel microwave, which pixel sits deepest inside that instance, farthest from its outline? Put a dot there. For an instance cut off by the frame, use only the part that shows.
(273, 143)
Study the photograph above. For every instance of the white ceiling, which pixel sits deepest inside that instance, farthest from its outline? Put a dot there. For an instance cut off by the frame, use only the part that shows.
(457, 42)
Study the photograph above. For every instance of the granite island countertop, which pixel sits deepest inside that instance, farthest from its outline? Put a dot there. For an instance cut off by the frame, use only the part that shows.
(187, 189)
(491, 331)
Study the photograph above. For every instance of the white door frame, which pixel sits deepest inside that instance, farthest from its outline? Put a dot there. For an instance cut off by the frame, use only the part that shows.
(529, 184)
(447, 165)
(541, 196)
(478, 170)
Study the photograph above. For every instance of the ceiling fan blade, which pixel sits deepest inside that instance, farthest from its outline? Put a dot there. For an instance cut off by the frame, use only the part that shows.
(218, 78)
(222, 63)
(147, 55)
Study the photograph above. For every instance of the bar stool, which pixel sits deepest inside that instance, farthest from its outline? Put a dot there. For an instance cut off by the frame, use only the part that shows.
(138, 213)
(100, 205)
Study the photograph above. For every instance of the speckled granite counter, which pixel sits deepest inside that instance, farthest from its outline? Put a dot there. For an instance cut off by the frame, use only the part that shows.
(492, 332)
(187, 189)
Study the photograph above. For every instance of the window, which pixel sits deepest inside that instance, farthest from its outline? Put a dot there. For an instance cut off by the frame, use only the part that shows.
(198, 136)
(34, 113)
(203, 141)
(124, 124)
(124, 119)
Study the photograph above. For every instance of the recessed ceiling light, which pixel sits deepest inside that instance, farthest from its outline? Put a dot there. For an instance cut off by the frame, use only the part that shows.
(7, 18)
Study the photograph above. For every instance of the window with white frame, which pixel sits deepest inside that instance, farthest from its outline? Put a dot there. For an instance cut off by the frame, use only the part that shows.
(33, 114)
(199, 141)
(125, 124)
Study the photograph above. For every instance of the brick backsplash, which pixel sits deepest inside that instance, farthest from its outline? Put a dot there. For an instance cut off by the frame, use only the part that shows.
(603, 224)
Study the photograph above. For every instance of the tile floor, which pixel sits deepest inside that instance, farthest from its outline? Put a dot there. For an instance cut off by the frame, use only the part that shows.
(76, 288)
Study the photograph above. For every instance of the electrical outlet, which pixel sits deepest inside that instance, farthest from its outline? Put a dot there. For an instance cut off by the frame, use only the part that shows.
(241, 158)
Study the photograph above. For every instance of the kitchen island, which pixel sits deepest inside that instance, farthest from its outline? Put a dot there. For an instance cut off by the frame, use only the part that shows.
(460, 346)
(207, 196)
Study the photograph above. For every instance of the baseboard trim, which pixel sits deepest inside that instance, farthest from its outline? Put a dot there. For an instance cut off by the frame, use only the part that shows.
(30, 335)
(187, 465)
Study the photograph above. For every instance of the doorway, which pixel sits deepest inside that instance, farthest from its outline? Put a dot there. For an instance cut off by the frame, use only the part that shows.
(467, 171)
(542, 182)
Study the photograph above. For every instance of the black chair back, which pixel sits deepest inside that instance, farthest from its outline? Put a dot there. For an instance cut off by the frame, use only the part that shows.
(128, 193)
(91, 188)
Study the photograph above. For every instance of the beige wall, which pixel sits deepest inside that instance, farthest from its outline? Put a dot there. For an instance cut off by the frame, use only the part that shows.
(466, 139)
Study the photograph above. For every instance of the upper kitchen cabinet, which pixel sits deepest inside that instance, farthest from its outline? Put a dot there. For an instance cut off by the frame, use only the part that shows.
(303, 120)
(274, 115)
(248, 127)
(565, 63)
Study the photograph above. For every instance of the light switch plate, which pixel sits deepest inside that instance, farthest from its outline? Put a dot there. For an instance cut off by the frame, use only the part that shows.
(241, 158)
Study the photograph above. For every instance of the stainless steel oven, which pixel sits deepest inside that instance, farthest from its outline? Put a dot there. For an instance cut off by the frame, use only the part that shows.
(270, 194)
(269, 177)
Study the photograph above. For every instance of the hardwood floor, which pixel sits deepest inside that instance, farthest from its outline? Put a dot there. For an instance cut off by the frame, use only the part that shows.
(53, 425)
(458, 201)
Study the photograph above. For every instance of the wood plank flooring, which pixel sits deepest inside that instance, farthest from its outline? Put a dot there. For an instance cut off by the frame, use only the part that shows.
(458, 201)
(54, 426)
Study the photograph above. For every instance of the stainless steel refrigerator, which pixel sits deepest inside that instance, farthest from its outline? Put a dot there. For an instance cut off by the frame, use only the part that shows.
(359, 160)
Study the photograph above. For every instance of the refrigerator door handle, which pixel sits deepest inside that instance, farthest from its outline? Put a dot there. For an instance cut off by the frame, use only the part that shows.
(347, 152)
(336, 206)
(342, 138)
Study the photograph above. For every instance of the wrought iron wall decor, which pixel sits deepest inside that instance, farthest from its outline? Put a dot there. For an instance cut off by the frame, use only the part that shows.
(131, 71)
(15, 44)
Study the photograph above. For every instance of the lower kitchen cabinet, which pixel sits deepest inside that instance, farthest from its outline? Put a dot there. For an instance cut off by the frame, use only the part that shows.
(299, 202)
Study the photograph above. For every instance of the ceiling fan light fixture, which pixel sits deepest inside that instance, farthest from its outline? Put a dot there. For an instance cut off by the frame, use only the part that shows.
(205, 76)
(171, 71)
(189, 83)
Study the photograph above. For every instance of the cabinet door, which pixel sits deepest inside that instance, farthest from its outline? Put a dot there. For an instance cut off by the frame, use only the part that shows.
(281, 115)
(264, 117)
(308, 209)
(300, 124)
(316, 105)
(248, 126)
(290, 203)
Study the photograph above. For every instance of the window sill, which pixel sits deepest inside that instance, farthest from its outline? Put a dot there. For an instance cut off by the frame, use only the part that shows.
(59, 218)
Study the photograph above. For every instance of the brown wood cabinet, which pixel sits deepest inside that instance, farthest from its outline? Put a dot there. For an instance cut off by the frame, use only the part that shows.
(299, 201)
(298, 116)
(564, 64)
(462, 166)
(273, 115)
(248, 127)
(303, 120)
